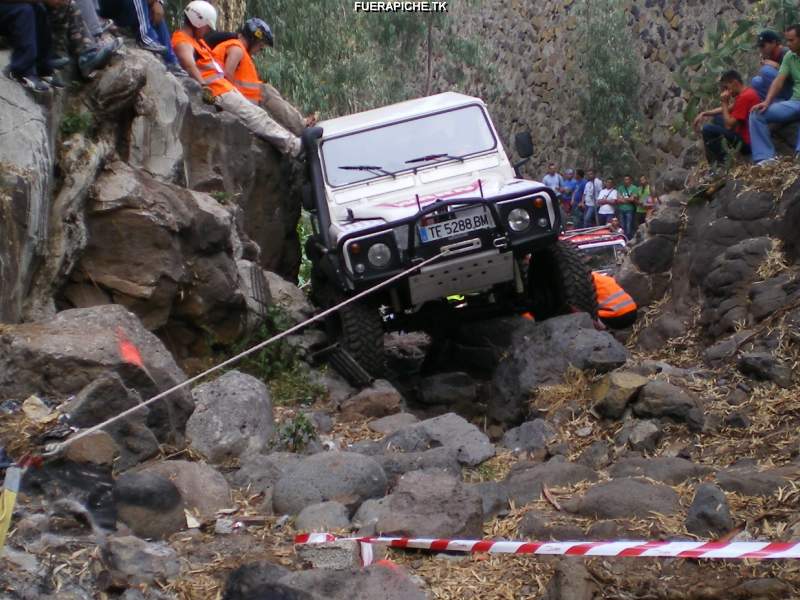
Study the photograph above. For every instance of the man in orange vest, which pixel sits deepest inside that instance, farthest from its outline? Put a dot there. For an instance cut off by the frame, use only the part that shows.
(615, 307)
(236, 57)
(196, 58)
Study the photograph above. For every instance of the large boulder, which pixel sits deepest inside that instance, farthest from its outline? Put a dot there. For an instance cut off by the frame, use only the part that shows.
(134, 562)
(540, 354)
(377, 581)
(149, 504)
(525, 481)
(233, 417)
(663, 399)
(428, 505)
(60, 357)
(203, 489)
(625, 498)
(345, 477)
(669, 470)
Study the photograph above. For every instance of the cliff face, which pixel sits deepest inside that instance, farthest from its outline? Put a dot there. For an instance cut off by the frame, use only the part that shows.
(129, 190)
(529, 48)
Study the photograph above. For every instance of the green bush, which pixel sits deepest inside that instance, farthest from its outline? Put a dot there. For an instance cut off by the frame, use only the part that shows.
(76, 122)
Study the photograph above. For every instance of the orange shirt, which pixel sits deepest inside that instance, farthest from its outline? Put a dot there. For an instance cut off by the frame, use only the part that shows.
(612, 300)
(245, 78)
(210, 71)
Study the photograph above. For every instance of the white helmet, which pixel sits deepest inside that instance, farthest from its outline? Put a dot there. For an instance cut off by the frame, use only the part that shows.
(200, 13)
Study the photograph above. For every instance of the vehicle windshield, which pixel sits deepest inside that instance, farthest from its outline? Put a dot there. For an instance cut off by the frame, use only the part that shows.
(454, 133)
(602, 258)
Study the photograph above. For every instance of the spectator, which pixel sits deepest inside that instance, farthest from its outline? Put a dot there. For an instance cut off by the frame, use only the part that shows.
(772, 53)
(567, 189)
(647, 202)
(628, 200)
(577, 198)
(606, 200)
(730, 118)
(553, 179)
(195, 56)
(146, 18)
(71, 37)
(768, 111)
(28, 29)
(589, 200)
(615, 227)
(96, 25)
(236, 57)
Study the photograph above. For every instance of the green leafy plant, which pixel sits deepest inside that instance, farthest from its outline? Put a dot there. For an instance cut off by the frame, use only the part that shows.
(296, 433)
(76, 122)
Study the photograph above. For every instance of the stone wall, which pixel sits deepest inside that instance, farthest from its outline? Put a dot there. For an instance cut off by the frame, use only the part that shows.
(529, 46)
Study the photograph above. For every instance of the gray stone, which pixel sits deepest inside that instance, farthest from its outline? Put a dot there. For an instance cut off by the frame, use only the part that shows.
(654, 255)
(571, 581)
(97, 448)
(337, 555)
(532, 435)
(396, 464)
(392, 423)
(448, 388)
(335, 385)
(260, 472)
(288, 297)
(325, 516)
(672, 471)
(133, 562)
(524, 483)
(429, 504)
(536, 525)
(345, 477)
(642, 436)
(662, 399)
(472, 447)
(379, 400)
(540, 354)
(233, 417)
(749, 482)
(766, 367)
(615, 391)
(596, 456)
(376, 581)
(493, 495)
(252, 579)
(149, 504)
(203, 488)
(709, 515)
(624, 498)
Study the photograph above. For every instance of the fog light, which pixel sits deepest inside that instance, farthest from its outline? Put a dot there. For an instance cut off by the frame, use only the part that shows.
(519, 219)
(360, 268)
(379, 255)
(543, 223)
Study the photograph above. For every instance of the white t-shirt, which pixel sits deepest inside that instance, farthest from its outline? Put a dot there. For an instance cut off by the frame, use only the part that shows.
(591, 190)
(606, 194)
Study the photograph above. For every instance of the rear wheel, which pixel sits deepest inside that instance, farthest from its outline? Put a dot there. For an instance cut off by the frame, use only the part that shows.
(358, 327)
(559, 282)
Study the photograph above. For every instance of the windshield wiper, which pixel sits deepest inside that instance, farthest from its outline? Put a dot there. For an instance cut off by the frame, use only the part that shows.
(434, 157)
(373, 168)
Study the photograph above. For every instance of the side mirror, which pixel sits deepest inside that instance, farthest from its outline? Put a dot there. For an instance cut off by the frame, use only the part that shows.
(524, 144)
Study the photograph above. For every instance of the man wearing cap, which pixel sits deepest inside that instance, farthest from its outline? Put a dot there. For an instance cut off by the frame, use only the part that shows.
(786, 111)
(772, 53)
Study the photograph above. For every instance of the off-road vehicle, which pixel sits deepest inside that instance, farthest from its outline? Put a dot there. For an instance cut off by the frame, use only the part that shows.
(603, 249)
(391, 187)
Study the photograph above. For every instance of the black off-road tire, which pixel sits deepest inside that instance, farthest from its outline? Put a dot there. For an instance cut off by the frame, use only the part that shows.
(559, 282)
(358, 327)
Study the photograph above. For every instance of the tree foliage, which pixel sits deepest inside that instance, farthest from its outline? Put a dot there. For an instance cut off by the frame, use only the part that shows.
(606, 79)
(729, 46)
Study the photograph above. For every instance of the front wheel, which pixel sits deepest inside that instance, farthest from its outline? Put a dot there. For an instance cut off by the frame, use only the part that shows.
(559, 282)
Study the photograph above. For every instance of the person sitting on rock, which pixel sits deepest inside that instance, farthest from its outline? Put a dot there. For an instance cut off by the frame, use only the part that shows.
(615, 307)
(27, 26)
(146, 18)
(236, 53)
(196, 58)
(730, 118)
(767, 112)
(772, 53)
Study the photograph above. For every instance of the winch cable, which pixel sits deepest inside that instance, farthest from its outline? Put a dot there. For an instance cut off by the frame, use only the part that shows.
(54, 450)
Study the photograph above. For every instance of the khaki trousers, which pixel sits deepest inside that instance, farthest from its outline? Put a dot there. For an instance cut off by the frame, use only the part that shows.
(281, 110)
(259, 122)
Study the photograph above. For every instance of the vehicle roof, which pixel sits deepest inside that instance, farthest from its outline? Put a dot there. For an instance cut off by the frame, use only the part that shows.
(395, 112)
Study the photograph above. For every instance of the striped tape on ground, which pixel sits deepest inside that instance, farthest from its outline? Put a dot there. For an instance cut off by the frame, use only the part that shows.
(653, 549)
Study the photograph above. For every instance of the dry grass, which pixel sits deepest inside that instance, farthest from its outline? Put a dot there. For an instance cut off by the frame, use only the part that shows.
(774, 263)
(775, 178)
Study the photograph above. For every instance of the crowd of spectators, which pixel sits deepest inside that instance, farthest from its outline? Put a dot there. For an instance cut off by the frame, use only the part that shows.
(586, 200)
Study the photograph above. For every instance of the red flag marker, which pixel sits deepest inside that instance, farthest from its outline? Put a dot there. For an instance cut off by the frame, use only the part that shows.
(127, 350)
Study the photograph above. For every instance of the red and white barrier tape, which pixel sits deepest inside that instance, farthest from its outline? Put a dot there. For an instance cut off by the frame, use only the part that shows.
(654, 549)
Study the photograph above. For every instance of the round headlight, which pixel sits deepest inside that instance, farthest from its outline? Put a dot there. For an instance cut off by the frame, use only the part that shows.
(379, 255)
(543, 223)
(519, 219)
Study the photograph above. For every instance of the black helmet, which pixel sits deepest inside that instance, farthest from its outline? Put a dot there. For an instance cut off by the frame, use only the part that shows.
(256, 30)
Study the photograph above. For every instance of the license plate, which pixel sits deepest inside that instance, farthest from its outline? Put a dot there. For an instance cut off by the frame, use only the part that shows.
(462, 222)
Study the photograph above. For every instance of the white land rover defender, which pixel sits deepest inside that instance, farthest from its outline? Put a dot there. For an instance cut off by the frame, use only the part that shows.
(391, 187)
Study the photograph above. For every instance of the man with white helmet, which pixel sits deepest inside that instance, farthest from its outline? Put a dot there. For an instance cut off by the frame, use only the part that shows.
(196, 58)
(235, 55)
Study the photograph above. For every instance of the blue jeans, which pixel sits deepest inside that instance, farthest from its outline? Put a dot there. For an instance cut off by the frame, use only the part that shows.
(760, 138)
(28, 29)
(590, 216)
(713, 133)
(626, 219)
(761, 82)
(603, 219)
(136, 15)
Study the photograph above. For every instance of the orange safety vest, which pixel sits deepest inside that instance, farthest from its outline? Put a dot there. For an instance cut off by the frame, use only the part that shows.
(612, 300)
(212, 74)
(245, 78)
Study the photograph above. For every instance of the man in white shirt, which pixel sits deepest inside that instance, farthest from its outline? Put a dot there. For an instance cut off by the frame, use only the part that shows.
(589, 200)
(606, 200)
(553, 179)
